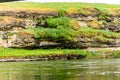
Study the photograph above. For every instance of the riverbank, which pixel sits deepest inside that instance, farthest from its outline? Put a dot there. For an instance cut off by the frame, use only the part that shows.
(57, 31)
(42, 25)
(15, 55)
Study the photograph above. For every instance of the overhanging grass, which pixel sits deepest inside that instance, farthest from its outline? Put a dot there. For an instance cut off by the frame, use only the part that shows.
(67, 34)
(97, 34)
(52, 34)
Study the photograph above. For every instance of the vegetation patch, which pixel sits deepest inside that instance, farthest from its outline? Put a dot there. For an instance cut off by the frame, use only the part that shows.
(22, 53)
(52, 34)
(9, 53)
(100, 35)
(60, 21)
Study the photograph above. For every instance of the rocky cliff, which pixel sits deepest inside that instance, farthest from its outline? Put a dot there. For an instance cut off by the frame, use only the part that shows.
(50, 28)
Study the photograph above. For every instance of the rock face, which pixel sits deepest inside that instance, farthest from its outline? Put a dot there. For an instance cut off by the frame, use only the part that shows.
(14, 23)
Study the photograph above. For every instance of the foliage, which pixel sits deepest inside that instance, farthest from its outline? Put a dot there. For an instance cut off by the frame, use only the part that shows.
(23, 53)
(52, 34)
(10, 52)
(61, 13)
(100, 35)
(60, 21)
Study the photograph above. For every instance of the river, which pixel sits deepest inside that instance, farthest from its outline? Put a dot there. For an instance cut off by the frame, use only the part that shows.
(88, 69)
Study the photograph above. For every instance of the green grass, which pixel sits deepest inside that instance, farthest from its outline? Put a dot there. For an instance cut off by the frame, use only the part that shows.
(58, 29)
(60, 21)
(9, 52)
(62, 8)
(100, 35)
(57, 5)
(23, 53)
(67, 34)
(52, 34)
(94, 32)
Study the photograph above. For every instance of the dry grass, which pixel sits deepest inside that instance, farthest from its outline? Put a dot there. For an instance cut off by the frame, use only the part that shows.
(94, 24)
(74, 24)
(29, 10)
(114, 11)
(72, 11)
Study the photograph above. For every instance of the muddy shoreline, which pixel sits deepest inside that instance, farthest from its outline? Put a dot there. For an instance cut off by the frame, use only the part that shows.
(43, 58)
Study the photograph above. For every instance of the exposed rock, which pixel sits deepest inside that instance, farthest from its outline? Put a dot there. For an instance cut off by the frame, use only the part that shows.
(48, 44)
(82, 24)
(21, 40)
(113, 26)
(13, 22)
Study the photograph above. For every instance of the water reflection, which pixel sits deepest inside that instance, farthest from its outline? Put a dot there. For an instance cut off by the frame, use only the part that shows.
(61, 70)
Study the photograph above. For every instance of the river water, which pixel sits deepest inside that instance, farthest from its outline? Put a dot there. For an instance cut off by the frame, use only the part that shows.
(90, 69)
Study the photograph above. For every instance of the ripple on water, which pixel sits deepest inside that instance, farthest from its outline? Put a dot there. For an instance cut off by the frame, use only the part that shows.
(74, 70)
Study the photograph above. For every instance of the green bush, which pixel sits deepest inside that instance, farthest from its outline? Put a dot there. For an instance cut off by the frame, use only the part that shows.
(64, 34)
(52, 34)
(103, 14)
(61, 13)
(60, 21)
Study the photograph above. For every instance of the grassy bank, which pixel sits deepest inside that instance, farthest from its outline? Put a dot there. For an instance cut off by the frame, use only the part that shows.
(64, 29)
(57, 5)
(9, 53)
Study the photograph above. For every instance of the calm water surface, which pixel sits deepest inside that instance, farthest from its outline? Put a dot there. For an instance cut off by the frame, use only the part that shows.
(92, 69)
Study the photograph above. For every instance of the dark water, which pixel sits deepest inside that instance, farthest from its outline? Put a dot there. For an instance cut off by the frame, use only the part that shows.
(100, 69)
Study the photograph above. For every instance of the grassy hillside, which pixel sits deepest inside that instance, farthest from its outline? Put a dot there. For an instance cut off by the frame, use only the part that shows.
(57, 5)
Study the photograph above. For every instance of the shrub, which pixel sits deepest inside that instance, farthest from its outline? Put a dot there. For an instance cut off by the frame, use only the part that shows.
(104, 14)
(62, 22)
(61, 13)
(55, 22)
(52, 34)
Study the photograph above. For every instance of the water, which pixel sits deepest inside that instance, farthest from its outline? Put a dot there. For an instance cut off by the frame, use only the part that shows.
(91, 69)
